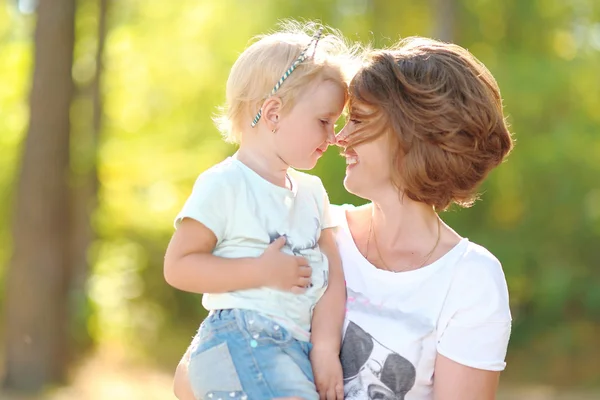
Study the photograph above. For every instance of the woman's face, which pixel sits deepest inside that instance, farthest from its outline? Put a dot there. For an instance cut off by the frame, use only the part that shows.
(367, 164)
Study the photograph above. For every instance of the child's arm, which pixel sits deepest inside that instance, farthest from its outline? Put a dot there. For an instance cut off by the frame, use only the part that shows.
(191, 266)
(327, 324)
(328, 316)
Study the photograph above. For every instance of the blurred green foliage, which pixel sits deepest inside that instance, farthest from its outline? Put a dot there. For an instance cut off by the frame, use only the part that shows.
(166, 65)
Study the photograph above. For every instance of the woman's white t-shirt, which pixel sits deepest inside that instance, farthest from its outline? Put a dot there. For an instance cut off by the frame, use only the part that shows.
(396, 323)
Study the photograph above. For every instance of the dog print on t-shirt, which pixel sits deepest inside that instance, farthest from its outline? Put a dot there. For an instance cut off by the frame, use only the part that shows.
(371, 370)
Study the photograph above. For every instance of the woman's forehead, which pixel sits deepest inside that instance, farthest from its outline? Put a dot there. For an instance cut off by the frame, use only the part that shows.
(360, 107)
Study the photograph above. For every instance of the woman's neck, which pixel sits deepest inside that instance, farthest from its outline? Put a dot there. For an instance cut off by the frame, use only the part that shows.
(397, 220)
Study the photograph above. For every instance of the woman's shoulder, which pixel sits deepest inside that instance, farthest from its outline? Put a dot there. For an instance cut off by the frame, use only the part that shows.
(479, 262)
(341, 212)
(338, 214)
(479, 282)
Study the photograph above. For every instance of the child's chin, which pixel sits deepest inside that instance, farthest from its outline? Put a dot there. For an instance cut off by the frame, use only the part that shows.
(306, 165)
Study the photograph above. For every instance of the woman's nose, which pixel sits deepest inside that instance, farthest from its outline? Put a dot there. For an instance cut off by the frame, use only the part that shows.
(342, 138)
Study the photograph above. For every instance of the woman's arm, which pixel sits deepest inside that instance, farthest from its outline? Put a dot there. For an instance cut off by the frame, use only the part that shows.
(475, 326)
(181, 382)
(454, 381)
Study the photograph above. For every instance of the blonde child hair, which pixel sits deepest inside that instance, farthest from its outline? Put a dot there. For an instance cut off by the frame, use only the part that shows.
(256, 70)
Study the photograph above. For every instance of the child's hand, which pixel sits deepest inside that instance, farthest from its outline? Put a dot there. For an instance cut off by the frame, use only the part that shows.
(283, 271)
(327, 370)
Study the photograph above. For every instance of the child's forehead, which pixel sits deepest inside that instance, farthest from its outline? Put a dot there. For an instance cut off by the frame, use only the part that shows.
(327, 96)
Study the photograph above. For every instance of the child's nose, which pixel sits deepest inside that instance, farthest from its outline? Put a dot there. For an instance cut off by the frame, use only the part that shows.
(331, 137)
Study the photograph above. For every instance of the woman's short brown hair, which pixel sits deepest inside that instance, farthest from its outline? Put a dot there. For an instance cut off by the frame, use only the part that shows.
(443, 112)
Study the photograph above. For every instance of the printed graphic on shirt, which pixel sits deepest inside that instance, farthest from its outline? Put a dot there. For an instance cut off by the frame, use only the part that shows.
(371, 370)
(298, 241)
(304, 244)
(416, 325)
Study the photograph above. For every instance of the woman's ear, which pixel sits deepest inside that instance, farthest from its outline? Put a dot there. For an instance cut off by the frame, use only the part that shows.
(271, 111)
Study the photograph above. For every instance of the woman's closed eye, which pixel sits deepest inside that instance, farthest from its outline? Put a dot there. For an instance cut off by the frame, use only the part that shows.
(354, 118)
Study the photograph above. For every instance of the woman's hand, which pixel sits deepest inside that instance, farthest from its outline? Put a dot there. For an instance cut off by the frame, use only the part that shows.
(181, 383)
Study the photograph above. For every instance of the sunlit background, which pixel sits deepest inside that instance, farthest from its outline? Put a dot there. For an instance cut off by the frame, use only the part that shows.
(148, 75)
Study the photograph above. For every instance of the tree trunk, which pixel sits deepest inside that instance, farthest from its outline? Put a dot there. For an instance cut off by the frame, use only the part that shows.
(85, 191)
(444, 17)
(38, 277)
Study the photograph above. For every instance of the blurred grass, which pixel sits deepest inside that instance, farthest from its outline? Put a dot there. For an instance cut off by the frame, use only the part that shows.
(110, 375)
(107, 375)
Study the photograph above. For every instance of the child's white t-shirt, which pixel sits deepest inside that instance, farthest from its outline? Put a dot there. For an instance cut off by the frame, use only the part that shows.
(396, 323)
(246, 214)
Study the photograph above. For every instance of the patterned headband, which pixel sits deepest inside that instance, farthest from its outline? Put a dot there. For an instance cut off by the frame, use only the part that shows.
(301, 58)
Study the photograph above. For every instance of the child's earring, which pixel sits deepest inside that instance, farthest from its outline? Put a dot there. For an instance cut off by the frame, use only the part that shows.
(275, 128)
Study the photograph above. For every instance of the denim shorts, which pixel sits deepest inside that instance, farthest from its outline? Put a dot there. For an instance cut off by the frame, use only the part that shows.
(242, 354)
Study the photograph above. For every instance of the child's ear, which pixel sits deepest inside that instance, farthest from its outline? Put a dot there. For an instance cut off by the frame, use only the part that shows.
(271, 111)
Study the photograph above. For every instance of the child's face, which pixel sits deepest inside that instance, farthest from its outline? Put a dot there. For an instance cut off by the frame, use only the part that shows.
(306, 131)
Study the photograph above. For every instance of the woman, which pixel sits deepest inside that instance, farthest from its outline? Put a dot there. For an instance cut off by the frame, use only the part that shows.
(427, 310)
(428, 314)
